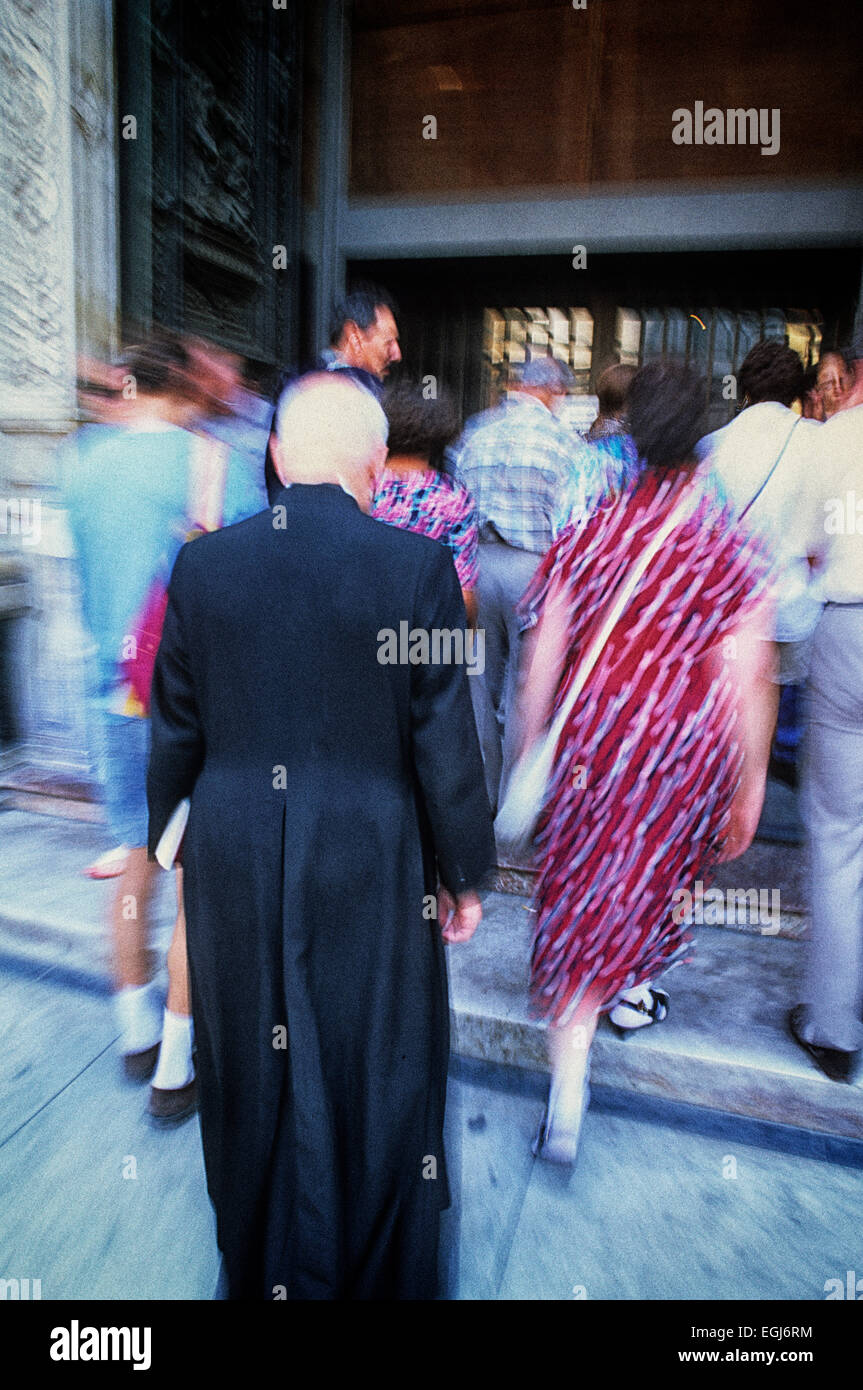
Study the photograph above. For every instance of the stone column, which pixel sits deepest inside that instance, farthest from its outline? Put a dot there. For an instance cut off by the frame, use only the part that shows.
(58, 297)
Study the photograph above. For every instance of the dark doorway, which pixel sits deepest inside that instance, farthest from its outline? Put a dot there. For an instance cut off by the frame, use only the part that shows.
(739, 296)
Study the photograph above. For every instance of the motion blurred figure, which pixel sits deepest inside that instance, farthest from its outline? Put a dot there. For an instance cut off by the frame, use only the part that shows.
(764, 463)
(515, 462)
(330, 794)
(229, 411)
(607, 463)
(132, 494)
(828, 1021)
(648, 791)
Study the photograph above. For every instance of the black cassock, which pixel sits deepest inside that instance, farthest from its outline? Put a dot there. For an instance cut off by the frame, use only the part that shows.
(328, 792)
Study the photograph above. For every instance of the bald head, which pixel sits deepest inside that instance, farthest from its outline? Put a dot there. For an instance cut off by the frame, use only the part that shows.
(329, 430)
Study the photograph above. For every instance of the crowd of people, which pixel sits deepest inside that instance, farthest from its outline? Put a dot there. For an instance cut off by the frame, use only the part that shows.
(647, 592)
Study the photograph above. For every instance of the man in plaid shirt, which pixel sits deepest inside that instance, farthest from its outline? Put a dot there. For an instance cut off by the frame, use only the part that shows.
(515, 460)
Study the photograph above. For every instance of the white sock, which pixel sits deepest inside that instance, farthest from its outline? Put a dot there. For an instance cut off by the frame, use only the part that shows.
(139, 1017)
(175, 1057)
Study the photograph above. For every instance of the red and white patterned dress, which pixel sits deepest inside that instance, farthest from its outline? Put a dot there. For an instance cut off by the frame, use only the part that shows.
(647, 765)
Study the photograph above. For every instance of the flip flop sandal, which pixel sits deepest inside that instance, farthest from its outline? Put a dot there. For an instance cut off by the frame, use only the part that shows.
(627, 1018)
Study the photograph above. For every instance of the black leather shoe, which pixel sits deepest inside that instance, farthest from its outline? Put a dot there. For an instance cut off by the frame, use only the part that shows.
(838, 1066)
(139, 1066)
(170, 1107)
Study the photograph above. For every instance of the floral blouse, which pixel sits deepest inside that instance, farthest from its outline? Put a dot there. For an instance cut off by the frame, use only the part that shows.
(435, 505)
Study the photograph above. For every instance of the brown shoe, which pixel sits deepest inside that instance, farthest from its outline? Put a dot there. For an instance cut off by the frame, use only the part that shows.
(139, 1066)
(172, 1106)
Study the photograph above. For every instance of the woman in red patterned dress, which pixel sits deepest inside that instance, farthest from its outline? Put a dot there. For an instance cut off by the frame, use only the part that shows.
(660, 770)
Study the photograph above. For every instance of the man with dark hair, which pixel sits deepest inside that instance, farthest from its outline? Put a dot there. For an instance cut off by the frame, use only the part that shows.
(364, 337)
(763, 461)
(771, 372)
(364, 344)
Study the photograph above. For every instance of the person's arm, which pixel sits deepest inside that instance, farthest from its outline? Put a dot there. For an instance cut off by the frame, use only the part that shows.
(757, 699)
(465, 551)
(447, 757)
(805, 535)
(543, 656)
(176, 737)
(470, 606)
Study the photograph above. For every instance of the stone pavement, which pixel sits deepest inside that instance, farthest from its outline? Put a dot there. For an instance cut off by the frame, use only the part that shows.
(723, 1046)
(666, 1202)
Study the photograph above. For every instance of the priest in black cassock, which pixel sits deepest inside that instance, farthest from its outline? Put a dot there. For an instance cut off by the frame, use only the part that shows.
(336, 802)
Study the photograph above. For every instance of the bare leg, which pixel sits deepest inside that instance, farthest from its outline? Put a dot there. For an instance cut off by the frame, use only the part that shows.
(169, 1098)
(130, 920)
(570, 1049)
(179, 1001)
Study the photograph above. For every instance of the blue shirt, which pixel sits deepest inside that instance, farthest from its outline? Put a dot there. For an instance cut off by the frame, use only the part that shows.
(126, 494)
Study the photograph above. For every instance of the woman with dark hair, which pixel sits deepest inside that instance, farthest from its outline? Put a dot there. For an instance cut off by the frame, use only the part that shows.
(413, 491)
(660, 770)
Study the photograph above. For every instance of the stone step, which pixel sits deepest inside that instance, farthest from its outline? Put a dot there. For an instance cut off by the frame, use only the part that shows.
(50, 914)
(724, 1044)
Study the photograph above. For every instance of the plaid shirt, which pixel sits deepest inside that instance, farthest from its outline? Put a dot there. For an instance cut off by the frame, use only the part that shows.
(515, 461)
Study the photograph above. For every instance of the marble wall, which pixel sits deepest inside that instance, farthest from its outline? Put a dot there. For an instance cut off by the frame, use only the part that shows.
(58, 297)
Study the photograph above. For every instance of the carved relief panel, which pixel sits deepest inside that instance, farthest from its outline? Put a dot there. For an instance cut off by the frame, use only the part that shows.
(222, 153)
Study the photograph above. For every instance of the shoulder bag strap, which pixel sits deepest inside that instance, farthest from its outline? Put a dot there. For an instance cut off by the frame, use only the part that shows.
(754, 499)
(615, 607)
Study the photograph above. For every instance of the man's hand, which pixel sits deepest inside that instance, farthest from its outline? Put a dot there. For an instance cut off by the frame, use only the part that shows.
(459, 917)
